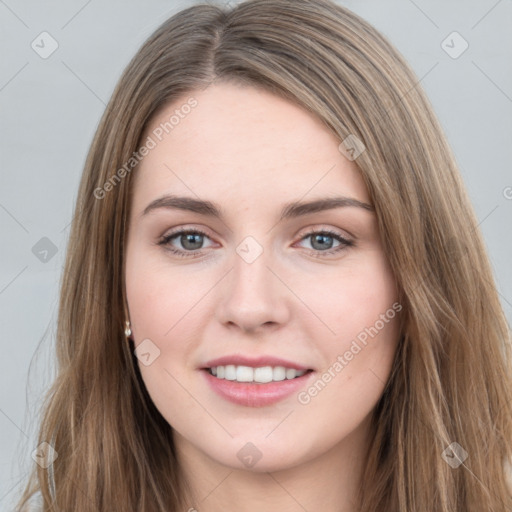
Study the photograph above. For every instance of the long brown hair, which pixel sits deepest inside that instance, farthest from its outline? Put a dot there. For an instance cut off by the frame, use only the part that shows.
(452, 376)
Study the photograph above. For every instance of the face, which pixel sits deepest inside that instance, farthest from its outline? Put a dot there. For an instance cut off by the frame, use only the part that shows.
(250, 288)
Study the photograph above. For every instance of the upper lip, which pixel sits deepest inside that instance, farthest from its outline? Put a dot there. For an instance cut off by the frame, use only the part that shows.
(254, 362)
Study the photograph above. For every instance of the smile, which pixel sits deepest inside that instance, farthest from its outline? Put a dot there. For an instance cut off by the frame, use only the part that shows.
(263, 389)
(262, 375)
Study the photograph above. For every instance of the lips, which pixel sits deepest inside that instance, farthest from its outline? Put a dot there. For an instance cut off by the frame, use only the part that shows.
(262, 392)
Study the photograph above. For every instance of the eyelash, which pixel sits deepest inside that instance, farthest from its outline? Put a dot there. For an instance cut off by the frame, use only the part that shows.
(165, 241)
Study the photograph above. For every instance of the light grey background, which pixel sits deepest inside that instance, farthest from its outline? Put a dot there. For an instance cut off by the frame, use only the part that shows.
(50, 108)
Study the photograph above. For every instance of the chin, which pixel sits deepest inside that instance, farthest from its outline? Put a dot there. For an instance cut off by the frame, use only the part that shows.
(259, 456)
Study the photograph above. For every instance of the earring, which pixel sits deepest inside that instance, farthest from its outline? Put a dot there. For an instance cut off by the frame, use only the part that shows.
(127, 330)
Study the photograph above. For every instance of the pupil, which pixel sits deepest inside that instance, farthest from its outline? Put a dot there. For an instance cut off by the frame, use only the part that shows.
(194, 239)
(323, 243)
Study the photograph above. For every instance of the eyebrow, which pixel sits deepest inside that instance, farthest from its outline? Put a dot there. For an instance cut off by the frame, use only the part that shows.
(289, 211)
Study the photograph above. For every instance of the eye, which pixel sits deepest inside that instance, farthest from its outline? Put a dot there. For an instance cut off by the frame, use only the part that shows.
(322, 242)
(191, 241)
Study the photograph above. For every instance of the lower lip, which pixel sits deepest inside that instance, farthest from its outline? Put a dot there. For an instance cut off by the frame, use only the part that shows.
(255, 395)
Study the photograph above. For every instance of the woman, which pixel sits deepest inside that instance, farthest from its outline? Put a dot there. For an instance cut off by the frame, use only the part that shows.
(276, 296)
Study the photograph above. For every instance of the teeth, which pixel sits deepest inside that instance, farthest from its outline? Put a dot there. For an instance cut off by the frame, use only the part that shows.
(261, 375)
(230, 372)
(244, 374)
(290, 373)
(279, 373)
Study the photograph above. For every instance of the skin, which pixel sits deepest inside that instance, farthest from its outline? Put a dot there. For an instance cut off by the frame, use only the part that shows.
(250, 152)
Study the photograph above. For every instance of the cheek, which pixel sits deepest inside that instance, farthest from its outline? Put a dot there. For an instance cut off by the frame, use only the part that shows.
(159, 302)
(361, 308)
(354, 299)
(359, 359)
(161, 305)
(159, 297)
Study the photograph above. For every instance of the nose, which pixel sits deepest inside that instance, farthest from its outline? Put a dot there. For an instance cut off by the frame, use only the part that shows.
(253, 295)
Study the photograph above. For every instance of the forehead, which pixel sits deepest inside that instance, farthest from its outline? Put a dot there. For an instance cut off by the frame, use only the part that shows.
(245, 140)
(231, 120)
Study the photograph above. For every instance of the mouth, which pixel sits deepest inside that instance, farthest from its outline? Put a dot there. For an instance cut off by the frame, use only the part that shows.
(255, 375)
(255, 386)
